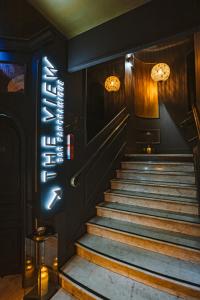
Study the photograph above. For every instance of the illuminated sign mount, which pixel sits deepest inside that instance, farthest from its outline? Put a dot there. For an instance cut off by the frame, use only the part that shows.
(52, 134)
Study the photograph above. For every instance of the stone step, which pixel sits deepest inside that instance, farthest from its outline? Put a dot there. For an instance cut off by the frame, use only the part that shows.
(183, 223)
(157, 196)
(160, 241)
(170, 177)
(146, 201)
(160, 157)
(166, 273)
(158, 166)
(89, 281)
(155, 188)
(62, 295)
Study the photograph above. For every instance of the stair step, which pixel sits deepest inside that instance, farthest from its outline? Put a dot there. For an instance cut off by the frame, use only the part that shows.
(150, 187)
(62, 295)
(145, 201)
(180, 277)
(160, 157)
(157, 196)
(158, 166)
(183, 223)
(158, 240)
(170, 177)
(87, 280)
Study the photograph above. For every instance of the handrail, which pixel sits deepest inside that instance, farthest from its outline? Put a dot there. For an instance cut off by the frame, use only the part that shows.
(107, 125)
(77, 174)
(197, 119)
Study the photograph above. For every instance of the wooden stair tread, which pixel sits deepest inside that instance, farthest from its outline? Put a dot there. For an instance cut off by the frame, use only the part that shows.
(150, 212)
(159, 264)
(148, 232)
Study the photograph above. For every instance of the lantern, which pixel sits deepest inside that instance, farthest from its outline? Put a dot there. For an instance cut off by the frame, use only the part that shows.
(41, 264)
(160, 72)
(112, 84)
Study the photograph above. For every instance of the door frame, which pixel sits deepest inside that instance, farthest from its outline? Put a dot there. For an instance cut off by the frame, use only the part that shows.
(23, 170)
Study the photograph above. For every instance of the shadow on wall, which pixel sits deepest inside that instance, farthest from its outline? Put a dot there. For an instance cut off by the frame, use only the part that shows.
(165, 109)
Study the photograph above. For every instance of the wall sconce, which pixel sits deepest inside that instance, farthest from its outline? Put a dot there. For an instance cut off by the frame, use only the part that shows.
(112, 84)
(130, 59)
(160, 72)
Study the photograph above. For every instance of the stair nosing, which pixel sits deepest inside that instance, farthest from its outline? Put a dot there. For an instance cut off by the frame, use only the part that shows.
(146, 271)
(143, 236)
(82, 286)
(147, 215)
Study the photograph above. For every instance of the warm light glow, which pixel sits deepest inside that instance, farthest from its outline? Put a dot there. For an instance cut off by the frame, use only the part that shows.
(112, 84)
(55, 264)
(29, 268)
(160, 72)
(43, 278)
(149, 149)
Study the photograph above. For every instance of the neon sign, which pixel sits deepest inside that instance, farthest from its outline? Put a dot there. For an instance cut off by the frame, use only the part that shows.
(52, 135)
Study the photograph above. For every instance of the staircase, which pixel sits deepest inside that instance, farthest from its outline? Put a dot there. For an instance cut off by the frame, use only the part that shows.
(144, 242)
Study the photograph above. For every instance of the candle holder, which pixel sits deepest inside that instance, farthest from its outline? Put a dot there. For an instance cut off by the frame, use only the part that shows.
(41, 265)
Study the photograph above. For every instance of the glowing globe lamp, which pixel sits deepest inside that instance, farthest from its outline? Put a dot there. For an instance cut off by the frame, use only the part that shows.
(160, 72)
(112, 84)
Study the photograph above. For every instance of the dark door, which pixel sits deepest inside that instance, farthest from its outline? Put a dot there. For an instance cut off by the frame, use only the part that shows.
(10, 198)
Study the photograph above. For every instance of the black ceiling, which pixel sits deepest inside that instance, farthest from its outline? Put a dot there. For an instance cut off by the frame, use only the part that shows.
(18, 19)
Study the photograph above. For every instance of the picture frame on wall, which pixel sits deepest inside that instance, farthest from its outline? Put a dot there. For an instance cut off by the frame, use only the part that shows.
(12, 77)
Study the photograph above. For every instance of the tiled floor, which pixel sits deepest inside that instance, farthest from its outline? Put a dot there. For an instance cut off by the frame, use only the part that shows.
(10, 288)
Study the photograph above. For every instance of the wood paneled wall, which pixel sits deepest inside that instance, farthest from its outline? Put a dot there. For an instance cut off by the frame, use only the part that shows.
(172, 95)
(145, 92)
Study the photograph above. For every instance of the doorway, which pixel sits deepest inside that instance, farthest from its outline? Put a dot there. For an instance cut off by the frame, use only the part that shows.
(11, 207)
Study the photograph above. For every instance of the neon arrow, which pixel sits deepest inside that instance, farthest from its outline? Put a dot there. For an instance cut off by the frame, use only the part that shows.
(56, 196)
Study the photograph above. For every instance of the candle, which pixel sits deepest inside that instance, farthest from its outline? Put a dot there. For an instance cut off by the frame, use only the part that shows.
(148, 150)
(55, 264)
(43, 278)
(29, 269)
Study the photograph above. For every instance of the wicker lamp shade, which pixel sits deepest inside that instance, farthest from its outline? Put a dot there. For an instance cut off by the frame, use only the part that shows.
(160, 72)
(112, 84)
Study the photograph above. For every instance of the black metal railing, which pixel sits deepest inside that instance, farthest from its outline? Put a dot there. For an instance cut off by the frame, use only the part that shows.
(74, 179)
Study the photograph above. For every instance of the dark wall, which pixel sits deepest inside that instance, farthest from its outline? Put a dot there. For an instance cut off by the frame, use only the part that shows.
(96, 159)
(19, 19)
(17, 107)
(102, 105)
(172, 96)
(94, 163)
(156, 20)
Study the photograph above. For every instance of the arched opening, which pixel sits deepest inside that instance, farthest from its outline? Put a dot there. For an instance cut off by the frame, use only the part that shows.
(11, 196)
